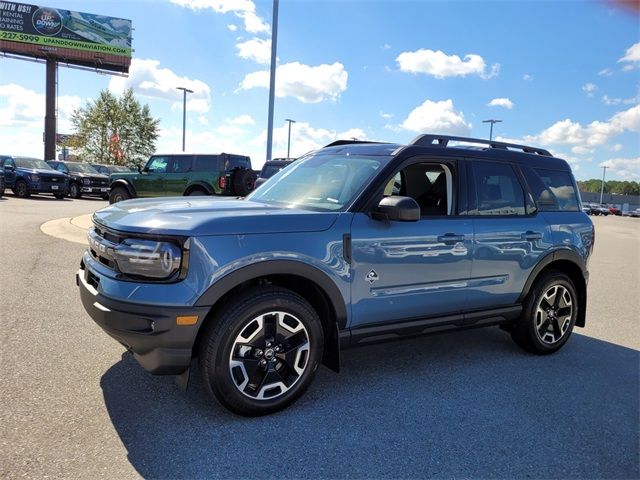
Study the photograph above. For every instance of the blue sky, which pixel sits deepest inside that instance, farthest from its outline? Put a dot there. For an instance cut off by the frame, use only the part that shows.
(562, 75)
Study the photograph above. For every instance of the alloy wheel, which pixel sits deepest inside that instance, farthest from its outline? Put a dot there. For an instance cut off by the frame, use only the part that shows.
(269, 355)
(553, 314)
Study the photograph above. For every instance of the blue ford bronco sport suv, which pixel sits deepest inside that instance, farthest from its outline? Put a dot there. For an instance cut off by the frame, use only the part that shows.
(353, 243)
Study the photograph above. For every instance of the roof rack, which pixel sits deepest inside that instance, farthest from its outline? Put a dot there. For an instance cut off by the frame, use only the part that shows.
(443, 141)
(337, 143)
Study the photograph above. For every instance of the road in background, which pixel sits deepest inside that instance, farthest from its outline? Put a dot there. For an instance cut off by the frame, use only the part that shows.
(466, 404)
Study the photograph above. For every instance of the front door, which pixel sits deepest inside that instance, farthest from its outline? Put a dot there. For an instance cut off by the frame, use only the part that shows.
(150, 183)
(412, 270)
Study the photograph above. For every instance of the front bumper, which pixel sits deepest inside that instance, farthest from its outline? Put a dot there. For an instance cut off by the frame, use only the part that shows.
(150, 332)
(55, 188)
(95, 190)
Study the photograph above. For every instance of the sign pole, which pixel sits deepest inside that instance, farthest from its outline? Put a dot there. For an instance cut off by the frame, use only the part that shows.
(50, 112)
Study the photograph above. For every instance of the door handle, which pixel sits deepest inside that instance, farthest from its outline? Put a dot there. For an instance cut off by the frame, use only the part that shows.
(530, 235)
(450, 238)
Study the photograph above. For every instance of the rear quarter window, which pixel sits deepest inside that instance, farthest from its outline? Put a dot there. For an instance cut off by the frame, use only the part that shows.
(206, 163)
(554, 190)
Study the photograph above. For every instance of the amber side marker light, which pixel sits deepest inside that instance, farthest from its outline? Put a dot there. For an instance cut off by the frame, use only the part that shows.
(187, 320)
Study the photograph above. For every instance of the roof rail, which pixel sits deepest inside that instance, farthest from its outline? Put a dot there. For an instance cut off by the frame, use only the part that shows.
(337, 143)
(443, 141)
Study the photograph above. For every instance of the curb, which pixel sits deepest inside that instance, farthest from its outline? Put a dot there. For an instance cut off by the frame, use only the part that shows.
(71, 229)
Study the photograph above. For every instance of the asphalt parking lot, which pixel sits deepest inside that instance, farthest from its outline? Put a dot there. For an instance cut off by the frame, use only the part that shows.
(468, 404)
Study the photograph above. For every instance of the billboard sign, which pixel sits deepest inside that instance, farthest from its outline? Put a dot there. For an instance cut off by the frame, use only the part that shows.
(72, 37)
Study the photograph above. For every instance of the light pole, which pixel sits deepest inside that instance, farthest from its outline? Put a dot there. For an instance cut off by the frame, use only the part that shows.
(272, 79)
(491, 121)
(604, 172)
(289, 137)
(184, 112)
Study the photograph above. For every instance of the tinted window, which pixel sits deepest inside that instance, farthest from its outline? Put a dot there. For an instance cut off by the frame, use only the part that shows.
(498, 190)
(181, 164)
(206, 163)
(269, 171)
(562, 188)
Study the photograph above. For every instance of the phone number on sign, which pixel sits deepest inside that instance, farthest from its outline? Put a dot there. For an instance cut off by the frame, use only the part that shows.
(19, 36)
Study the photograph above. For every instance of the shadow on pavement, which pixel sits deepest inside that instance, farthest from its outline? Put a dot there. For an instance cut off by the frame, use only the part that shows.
(469, 404)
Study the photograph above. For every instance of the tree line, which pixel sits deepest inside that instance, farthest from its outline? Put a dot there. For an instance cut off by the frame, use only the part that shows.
(610, 186)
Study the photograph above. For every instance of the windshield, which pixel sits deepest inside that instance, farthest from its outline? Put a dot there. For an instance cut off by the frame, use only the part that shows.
(320, 182)
(81, 168)
(269, 171)
(32, 163)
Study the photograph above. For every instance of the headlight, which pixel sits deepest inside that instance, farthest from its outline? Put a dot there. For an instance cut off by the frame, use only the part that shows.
(148, 258)
(86, 181)
(34, 178)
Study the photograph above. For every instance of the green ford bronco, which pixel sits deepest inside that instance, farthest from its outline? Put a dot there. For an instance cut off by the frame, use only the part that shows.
(185, 174)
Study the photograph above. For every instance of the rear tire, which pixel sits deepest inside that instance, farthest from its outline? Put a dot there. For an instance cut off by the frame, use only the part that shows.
(261, 352)
(549, 315)
(198, 192)
(118, 194)
(21, 189)
(74, 191)
(244, 182)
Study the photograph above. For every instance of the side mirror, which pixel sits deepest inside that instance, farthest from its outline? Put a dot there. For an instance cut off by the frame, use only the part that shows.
(9, 168)
(400, 209)
(139, 169)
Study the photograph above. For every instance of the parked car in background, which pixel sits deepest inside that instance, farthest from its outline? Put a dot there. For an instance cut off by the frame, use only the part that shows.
(633, 213)
(357, 242)
(83, 179)
(26, 176)
(107, 170)
(615, 211)
(1, 183)
(603, 210)
(271, 167)
(186, 174)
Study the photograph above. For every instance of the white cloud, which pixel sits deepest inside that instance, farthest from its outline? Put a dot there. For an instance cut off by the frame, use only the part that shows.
(304, 138)
(256, 49)
(501, 102)
(242, 120)
(631, 58)
(625, 167)
(527, 77)
(147, 78)
(307, 84)
(441, 65)
(597, 133)
(618, 101)
(437, 117)
(589, 89)
(386, 115)
(26, 108)
(605, 72)
(232, 27)
(386, 46)
(244, 9)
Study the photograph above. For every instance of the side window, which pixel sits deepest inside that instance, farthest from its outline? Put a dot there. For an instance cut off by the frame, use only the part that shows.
(181, 164)
(429, 184)
(545, 199)
(205, 163)
(562, 188)
(157, 165)
(498, 190)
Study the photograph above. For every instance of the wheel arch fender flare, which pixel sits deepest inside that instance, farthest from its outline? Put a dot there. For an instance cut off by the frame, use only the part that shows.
(123, 183)
(562, 257)
(198, 185)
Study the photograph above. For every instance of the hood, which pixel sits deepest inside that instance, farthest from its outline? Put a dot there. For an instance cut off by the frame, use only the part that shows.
(41, 171)
(99, 176)
(201, 216)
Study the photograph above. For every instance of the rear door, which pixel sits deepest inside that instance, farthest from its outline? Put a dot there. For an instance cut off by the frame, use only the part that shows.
(9, 174)
(176, 179)
(510, 235)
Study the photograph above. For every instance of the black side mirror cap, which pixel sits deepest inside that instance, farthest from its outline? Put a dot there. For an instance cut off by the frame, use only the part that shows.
(9, 168)
(399, 209)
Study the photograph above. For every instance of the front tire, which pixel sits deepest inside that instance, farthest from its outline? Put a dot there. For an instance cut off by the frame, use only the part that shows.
(261, 353)
(549, 315)
(60, 196)
(21, 189)
(198, 192)
(118, 194)
(74, 191)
